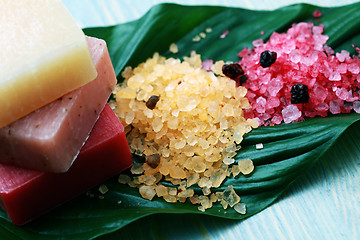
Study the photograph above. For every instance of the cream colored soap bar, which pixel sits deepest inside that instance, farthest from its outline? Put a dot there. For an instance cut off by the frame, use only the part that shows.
(44, 55)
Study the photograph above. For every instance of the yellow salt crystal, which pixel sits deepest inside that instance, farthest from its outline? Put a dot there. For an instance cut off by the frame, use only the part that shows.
(217, 67)
(192, 179)
(177, 172)
(161, 190)
(173, 48)
(246, 166)
(186, 193)
(147, 192)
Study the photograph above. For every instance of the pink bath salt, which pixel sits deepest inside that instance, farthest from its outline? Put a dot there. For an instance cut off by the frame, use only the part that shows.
(342, 55)
(260, 105)
(341, 68)
(258, 42)
(357, 49)
(291, 113)
(356, 106)
(317, 13)
(272, 102)
(335, 76)
(353, 68)
(302, 57)
(319, 94)
(275, 86)
(206, 64)
(224, 34)
(328, 50)
(343, 94)
(322, 107)
(277, 119)
(295, 56)
(335, 107)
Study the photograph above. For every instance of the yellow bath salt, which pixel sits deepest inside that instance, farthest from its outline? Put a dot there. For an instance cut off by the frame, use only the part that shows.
(187, 123)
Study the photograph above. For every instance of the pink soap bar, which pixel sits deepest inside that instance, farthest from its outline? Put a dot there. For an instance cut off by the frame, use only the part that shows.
(50, 138)
(26, 194)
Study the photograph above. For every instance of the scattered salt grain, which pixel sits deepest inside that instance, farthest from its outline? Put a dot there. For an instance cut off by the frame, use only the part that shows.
(316, 13)
(240, 208)
(259, 146)
(202, 35)
(173, 48)
(224, 34)
(197, 38)
(246, 166)
(230, 196)
(103, 189)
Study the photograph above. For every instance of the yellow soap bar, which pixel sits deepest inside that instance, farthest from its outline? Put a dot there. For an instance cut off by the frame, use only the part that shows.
(44, 55)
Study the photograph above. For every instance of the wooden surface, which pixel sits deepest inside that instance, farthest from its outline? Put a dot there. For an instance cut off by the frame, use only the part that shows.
(323, 204)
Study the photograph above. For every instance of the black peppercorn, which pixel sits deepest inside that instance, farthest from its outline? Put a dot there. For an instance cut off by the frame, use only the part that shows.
(153, 160)
(151, 102)
(233, 71)
(299, 93)
(267, 58)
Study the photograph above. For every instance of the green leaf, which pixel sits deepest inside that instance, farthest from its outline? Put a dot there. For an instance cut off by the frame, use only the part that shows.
(290, 150)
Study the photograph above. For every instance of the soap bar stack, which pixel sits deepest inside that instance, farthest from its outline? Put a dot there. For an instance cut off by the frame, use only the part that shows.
(54, 85)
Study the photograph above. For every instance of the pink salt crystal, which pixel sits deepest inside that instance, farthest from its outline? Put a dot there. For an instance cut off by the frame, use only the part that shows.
(291, 113)
(328, 50)
(356, 106)
(316, 13)
(322, 107)
(343, 94)
(224, 34)
(342, 68)
(353, 68)
(334, 76)
(260, 105)
(262, 32)
(335, 107)
(258, 42)
(319, 94)
(275, 86)
(277, 119)
(272, 102)
(342, 55)
(294, 56)
(357, 49)
(206, 64)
